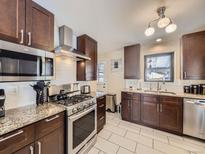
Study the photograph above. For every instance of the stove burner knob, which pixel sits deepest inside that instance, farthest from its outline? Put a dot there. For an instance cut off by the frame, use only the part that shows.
(86, 105)
(74, 110)
(79, 108)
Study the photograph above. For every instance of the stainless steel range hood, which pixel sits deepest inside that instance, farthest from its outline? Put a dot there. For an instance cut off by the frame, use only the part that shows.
(65, 47)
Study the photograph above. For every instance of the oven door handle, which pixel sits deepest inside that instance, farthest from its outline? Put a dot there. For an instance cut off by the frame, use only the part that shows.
(75, 117)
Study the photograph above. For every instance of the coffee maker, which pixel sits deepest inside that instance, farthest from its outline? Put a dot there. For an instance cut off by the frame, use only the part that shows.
(2, 100)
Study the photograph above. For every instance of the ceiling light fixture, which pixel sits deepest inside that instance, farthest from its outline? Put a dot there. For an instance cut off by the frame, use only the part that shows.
(162, 22)
(159, 40)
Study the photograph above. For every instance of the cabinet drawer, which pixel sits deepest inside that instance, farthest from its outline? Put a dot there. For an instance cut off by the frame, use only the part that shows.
(49, 124)
(101, 99)
(101, 109)
(171, 100)
(136, 96)
(149, 98)
(100, 122)
(126, 95)
(16, 140)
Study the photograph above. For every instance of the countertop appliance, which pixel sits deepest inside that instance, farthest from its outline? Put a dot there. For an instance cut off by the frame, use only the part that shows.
(2, 100)
(20, 63)
(194, 118)
(81, 121)
(85, 89)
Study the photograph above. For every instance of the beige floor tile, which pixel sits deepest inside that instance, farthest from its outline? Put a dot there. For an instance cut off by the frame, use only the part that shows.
(105, 134)
(194, 141)
(113, 122)
(123, 142)
(124, 151)
(130, 128)
(168, 149)
(139, 139)
(115, 129)
(94, 151)
(187, 146)
(106, 146)
(142, 149)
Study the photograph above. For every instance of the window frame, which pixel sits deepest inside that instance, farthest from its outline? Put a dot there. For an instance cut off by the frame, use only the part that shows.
(100, 72)
(171, 68)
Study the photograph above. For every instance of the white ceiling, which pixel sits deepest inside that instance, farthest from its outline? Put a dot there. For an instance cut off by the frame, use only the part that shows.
(116, 23)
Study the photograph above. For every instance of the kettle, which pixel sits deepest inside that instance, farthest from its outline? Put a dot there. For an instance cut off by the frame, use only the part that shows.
(85, 89)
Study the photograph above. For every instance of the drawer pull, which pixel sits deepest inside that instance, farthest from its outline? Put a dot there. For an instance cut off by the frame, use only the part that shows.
(39, 147)
(102, 118)
(22, 36)
(51, 119)
(157, 107)
(101, 98)
(102, 105)
(31, 150)
(161, 110)
(13, 135)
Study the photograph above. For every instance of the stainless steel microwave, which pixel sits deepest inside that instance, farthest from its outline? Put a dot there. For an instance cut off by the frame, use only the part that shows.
(20, 63)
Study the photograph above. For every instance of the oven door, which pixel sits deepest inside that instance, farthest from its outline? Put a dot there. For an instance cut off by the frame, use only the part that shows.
(81, 128)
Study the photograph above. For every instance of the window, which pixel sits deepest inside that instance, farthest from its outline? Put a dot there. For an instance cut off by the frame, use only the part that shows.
(101, 72)
(159, 67)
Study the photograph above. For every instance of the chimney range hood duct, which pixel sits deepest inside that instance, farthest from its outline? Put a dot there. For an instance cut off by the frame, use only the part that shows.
(65, 47)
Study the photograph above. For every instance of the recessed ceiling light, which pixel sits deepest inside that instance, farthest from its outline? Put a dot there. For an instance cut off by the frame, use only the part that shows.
(159, 40)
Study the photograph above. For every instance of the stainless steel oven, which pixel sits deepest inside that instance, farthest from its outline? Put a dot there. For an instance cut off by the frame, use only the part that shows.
(82, 127)
(20, 63)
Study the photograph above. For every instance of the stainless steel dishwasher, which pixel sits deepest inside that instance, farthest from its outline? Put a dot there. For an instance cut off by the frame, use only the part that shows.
(194, 118)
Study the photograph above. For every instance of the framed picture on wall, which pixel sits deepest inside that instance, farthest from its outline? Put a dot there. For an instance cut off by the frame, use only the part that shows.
(116, 65)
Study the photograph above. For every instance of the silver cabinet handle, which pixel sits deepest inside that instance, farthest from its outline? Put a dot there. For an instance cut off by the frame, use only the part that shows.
(31, 150)
(102, 118)
(22, 36)
(13, 135)
(51, 119)
(157, 107)
(39, 147)
(161, 108)
(185, 75)
(29, 38)
(101, 97)
(102, 105)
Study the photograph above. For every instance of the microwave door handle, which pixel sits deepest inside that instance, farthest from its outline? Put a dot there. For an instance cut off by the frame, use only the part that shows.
(43, 63)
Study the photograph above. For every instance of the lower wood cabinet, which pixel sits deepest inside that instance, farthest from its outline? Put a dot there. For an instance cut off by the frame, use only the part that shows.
(149, 110)
(161, 112)
(131, 107)
(25, 140)
(101, 112)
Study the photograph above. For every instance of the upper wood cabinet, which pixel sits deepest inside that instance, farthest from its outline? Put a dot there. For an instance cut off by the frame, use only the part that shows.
(39, 27)
(12, 17)
(87, 69)
(132, 62)
(194, 56)
(25, 22)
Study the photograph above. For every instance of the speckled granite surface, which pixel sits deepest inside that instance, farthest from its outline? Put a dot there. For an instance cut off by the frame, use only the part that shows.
(23, 116)
(97, 94)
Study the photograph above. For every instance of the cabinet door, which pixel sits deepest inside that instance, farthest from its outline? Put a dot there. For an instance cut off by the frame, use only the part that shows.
(12, 17)
(194, 56)
(150, 110)
(101, 112)
(125, 110)
(52, 143)
(87, 70)
(39, 27)
(171, 113)
(135, 110)
(29, 149)
(132, 62)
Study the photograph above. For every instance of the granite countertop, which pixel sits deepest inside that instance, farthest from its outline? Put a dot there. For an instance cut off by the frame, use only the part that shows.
(184, 95)
(23, 116)
(97, 94)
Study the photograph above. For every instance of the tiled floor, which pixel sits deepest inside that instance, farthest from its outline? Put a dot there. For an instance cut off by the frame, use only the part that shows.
(121, 137)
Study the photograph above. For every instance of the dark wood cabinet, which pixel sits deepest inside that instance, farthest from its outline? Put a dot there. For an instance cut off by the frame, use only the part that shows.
(29, 149)
(132, 62)
(27, 23)
(149, 109)
(130, 107)
(161, 112)
(194, 56)
(52, 143)
(171, 113)
(46, 136)
(101, 112)
(87, 69)
(12, 17)
(39, 27)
